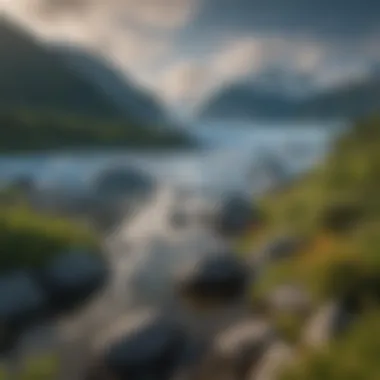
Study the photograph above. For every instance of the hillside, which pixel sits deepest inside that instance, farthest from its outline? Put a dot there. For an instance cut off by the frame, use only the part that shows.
(245, 101)
(133, 102)
(32, 76)
(335, 210)
(27, 130)
(46, 103)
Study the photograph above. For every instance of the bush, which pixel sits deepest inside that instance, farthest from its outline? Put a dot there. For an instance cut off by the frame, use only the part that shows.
(28, 239)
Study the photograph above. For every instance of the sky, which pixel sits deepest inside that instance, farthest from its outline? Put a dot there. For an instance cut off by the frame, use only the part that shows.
(185, 50)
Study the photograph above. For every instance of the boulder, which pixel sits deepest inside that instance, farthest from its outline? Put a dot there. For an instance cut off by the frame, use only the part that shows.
(179, 219)
(70, 278)
(23, 184)
(235, 214)
(116, 192)
(289, 299)
(237, 349)
(213, 278)
(278, 356)
(22, 303)
(144, 345)
(328, 321)
(123, 181)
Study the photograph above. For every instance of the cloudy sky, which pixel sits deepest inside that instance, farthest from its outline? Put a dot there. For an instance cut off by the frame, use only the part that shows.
(185, 49)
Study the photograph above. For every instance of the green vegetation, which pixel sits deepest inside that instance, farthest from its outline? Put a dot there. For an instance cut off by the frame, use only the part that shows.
(338, 209)
(354, 357)
(27, 130)
(38, 367)
(28, 239)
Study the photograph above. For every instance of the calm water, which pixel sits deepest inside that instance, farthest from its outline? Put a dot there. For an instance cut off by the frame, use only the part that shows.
(232, 150)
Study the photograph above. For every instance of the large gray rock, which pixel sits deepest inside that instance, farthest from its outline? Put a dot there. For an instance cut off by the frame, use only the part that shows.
(22, 302)
(289, 299)
(70, 278)
(278, 356)
(328, 321)
(215, 277)
(144, 345)
(237, 349)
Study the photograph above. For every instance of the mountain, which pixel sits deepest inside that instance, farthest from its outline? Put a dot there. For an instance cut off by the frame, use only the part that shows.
(128, 97)
(247, 101)
(35, 75)
(46, 104)
(32, 76)
(244, 101)
(354, 99)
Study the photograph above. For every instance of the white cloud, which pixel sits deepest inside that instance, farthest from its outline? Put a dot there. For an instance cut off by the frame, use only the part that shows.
(133, 33)
(188, 82)
(239, 57)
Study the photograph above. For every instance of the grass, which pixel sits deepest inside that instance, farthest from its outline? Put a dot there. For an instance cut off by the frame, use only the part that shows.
(28, 240)
(354, 357)
(337, 208)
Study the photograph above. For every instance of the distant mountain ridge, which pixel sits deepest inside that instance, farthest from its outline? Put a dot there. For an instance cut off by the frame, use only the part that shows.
(34, 75)
(245, 101)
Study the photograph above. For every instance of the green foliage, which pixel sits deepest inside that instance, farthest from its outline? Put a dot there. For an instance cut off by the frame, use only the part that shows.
(44, 367)
(28, 239)
(338, 207)
(354, 357)
(289, 326)
(41, 130)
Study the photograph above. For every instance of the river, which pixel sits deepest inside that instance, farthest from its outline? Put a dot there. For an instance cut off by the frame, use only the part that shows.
(143, 274)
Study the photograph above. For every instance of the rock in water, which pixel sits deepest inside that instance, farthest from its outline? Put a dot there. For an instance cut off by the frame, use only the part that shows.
(141, 346)
(123, 181)
(116, 192)
(235, 215)
(236, 350)
(22, 302)
(179, 219)
(215, 278)
(72, 277)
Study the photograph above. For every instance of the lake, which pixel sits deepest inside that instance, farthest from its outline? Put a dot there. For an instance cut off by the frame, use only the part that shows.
(232, 149)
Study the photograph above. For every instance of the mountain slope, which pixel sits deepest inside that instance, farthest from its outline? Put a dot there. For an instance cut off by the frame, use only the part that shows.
(354, 99)
(31, 76)
(244, 101)
(132, 101)
(46, 104)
